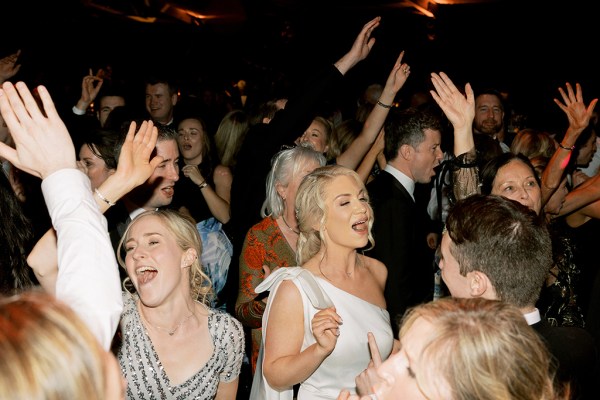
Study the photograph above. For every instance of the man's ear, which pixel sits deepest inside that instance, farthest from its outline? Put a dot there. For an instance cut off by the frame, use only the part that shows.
(406, 152)
(479, 284)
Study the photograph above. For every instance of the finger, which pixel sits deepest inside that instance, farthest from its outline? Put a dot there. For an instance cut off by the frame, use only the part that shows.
(31, 110)
(375, 355)
(266, 270)
(9, 153)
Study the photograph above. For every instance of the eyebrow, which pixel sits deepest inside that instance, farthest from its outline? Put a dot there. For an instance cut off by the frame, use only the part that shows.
(145, 235)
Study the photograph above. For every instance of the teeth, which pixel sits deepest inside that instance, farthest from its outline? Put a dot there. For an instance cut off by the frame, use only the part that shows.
(144, 269)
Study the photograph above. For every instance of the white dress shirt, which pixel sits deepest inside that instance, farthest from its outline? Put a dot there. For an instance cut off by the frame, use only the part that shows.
(404, 180)
(88, 276)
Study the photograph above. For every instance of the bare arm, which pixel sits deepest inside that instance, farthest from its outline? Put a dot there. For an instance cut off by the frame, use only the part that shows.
(360, 48)
(134, 167)
(458, 108)
(368, 162)
(579, 117)
(284, 363)
(374, 123)
(88, 278)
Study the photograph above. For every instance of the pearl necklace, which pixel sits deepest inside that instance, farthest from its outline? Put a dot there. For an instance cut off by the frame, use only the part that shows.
(171, 332)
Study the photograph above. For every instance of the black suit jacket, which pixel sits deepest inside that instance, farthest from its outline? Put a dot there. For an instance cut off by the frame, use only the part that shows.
(574, 350)
(400, 232)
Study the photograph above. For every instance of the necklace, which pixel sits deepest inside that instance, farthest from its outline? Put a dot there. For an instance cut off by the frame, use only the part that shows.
(171, 332)
(289, 227)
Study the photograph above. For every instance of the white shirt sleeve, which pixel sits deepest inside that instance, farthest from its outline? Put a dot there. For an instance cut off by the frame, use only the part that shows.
(88, 276)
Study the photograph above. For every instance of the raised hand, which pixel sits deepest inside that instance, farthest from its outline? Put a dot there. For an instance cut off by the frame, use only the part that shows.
(398, 76)
(574, 107)
(326, 329)
(360, 48)
(366, 380)
(9, 66)
(135, 166)
(459, 108)
(90, 86)
(43, 144)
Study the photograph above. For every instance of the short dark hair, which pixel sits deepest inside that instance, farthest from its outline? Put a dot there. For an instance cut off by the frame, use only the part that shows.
(505, 240)
(407, 126)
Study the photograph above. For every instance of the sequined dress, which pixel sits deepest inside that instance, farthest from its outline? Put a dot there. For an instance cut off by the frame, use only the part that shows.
(143, 371)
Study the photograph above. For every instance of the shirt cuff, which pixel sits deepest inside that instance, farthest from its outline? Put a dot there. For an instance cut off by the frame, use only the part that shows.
(77, 111)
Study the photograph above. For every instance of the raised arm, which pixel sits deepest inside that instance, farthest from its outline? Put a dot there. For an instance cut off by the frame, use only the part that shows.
(352, 157)
(579, 117)
(133, 168)
(460, 110)
(360, 48)
(90, 86)
(88, 278)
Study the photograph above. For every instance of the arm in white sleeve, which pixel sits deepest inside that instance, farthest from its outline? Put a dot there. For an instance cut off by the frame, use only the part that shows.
(88, 276)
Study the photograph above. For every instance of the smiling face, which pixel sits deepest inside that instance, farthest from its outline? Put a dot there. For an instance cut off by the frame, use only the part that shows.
(155, 263)
(190, 139)
(317, 135)
(516, 181)
(94, 167)
(489, 114)
(158, 190)
(160, 103)
(348, 213)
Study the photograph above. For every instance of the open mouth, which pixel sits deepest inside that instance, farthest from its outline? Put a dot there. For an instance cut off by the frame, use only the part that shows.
(145, 274)
(360, 226)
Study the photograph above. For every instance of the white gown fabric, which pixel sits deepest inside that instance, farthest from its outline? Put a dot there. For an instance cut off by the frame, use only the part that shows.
(351, 354)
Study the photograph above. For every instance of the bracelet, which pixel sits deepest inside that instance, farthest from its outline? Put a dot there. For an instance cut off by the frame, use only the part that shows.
(203, 184)
(104, 199)
(384, 105)
(566, 148)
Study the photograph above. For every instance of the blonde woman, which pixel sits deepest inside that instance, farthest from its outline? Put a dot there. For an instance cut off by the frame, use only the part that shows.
(475, 348)
(49, 353)
(172, 344)
(319, 315)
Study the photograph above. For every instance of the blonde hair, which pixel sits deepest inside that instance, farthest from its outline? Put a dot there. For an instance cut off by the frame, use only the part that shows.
(187, 237)
(533, 143)
(311, 209)
(47, 351)
(482, 349)
(230, 135)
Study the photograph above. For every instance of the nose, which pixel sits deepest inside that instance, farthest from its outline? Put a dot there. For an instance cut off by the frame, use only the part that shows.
(137, 253)
(524, 193)
(439, 154)
(173, 172)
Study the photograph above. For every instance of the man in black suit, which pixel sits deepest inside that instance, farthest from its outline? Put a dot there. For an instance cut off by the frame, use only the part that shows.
(498, 249)
(412, 151)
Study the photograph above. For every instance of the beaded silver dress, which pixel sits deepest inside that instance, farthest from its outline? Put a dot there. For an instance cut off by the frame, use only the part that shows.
(146, 378)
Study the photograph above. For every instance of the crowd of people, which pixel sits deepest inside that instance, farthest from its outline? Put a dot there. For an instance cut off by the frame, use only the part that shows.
(286, 248)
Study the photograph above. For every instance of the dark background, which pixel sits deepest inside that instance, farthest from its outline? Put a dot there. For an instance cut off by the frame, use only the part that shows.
(526, 48)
